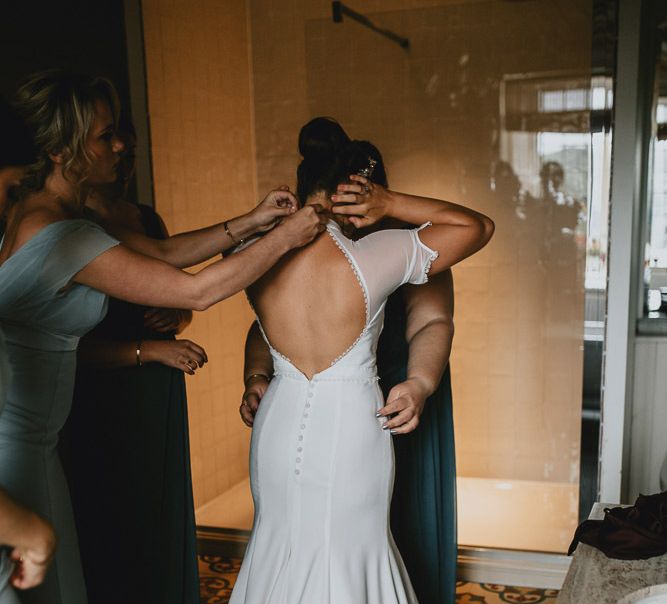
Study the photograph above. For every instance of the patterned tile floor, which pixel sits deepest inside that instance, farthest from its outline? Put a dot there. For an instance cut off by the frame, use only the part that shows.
(217, 576)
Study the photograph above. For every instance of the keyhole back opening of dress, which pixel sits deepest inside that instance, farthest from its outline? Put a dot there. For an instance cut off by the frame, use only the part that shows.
(312, 305)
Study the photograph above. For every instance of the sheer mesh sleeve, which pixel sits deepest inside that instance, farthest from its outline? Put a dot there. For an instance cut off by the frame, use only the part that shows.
(391, 258)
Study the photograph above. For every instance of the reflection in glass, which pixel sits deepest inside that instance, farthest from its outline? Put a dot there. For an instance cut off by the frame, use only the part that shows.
(656, 248)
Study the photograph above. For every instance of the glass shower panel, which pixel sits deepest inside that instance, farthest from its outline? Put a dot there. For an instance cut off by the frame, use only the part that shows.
(491, 106)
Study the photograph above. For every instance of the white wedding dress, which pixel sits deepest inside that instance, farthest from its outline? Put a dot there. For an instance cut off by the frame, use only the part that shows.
(322, 467)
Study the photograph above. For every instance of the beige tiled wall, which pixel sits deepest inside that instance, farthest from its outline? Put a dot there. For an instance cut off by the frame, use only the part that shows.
(199, 93)
(433, 112)
(517, 364)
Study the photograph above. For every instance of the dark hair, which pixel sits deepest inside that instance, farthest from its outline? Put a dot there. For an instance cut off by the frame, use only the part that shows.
(330, 156)
(16, 146)
(551, 167)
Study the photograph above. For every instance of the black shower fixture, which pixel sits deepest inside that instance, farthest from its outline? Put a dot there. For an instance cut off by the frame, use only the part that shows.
(339, 9)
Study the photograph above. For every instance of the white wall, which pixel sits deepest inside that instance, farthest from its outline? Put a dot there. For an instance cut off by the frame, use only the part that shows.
(648, 440)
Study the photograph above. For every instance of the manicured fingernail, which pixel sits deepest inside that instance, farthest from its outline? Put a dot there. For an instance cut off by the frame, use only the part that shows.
(378, 414)
(385, 427)
(393, 432)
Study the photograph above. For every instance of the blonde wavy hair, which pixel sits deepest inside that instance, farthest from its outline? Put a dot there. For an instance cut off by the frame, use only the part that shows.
(59, 109)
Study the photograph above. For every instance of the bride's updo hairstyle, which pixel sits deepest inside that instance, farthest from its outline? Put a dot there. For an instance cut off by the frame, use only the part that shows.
(330, 156)
(59, 109)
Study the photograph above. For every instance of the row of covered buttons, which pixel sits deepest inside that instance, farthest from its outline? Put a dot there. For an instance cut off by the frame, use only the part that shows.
(306, 413)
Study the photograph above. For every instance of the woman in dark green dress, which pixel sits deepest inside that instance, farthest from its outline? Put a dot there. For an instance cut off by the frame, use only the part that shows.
(423, 510)
(126, 446)
(412, 358)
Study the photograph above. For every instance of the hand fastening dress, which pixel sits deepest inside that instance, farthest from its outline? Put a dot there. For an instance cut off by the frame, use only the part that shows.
(43, 315)
(322, 468)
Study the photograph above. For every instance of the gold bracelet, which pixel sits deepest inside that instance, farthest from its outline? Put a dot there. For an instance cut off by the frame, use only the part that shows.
(139, 363)
(225, 224)
(254, 375)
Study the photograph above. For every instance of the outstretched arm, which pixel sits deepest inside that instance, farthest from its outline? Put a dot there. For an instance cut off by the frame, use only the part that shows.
(257, 373)
(127, 275)
(429, 333)
(457, 231)
(191, 248)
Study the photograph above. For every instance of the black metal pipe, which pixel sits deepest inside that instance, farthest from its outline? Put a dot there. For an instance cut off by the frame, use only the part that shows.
(339, 9)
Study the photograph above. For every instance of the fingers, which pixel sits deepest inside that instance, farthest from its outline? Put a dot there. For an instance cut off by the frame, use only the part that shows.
(29, 576)
(405, 412)
(351, 188)
(162, 325)
(162, 319)
(407, 427)
(359, 222)
(197, 350)
(283, 198)
(151, 312)
(192, 357)
(401, 418)
(354, 208)
(249, 407)
(246, 415)
(27, 573)
(321, 216)
(360, 179)
(252, 401)
(187, 366)
(393, 406)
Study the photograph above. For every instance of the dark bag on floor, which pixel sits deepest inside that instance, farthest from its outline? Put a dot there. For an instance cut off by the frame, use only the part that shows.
(635, 533)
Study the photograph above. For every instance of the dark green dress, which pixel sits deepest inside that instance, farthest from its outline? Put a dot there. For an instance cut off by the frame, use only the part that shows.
(423, 510)
(126, 454)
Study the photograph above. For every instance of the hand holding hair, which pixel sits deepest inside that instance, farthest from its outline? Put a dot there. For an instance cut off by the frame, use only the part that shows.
(363, 201)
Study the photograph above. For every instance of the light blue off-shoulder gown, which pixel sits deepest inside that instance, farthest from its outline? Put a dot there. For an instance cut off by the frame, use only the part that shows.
(43, 314)
(7, 594)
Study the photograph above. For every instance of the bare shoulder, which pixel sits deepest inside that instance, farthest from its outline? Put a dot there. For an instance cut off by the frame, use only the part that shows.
(26, 222)
(30, 222)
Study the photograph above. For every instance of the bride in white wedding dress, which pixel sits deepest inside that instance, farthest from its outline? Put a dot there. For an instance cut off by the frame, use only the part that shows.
(321, 464)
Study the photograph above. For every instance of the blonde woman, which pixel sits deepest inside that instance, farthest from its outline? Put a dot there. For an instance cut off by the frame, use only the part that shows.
(56, 270)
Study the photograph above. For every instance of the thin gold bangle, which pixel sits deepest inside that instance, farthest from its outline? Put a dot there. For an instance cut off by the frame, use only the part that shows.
(225, 224)
(254, 375)
(139, 363)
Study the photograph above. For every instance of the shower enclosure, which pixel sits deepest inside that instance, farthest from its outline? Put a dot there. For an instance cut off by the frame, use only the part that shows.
(505, 106)
(500, 105)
